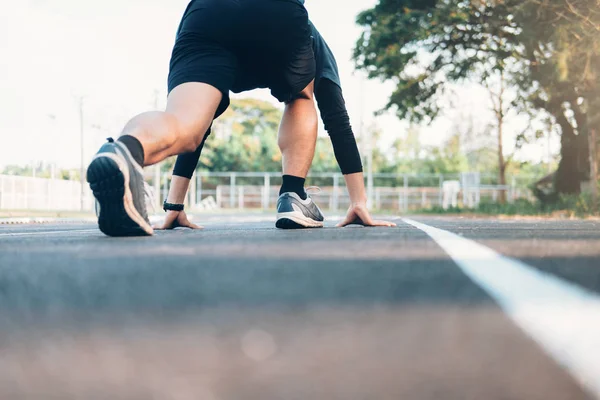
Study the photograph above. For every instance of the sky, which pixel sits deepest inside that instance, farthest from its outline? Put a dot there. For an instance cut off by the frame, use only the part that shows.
(111, 58)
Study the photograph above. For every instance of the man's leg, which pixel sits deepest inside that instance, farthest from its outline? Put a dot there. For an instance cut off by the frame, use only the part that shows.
(297, 141)
(115, 175)
(180, 129)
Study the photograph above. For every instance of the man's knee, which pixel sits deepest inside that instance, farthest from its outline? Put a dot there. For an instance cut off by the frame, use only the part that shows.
(306, 94)
(195, 141)
(191, 142)
(182, 134)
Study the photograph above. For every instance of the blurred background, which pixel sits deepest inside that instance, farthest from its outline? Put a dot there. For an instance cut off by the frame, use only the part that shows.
(468, 107)
(487, 106)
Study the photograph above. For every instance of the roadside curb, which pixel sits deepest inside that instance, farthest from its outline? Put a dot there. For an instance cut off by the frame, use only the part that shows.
(55, 220)
(40, 221)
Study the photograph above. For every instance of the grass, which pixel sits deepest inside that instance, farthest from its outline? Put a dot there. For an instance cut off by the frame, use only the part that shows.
(569, 206)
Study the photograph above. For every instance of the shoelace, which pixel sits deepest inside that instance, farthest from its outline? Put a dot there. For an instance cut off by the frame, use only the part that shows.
(313, 190)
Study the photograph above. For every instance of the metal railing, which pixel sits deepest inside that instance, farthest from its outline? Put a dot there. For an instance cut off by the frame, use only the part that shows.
(27, 193)
(257, 190)
(391, 192)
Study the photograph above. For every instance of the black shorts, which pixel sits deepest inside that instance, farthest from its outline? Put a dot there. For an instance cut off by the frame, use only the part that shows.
(244, 44)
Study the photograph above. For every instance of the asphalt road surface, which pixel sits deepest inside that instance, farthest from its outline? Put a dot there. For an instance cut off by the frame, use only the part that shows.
(476, 309)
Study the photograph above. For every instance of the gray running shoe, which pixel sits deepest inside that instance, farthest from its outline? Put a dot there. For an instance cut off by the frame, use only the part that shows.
(295, 213)
(117, 182)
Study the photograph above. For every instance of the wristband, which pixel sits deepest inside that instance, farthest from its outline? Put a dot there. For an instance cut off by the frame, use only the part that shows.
(172, 207)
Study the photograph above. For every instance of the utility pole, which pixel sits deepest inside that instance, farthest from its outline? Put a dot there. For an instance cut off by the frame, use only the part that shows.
(593, 142)
(82, 160)
(52, 119)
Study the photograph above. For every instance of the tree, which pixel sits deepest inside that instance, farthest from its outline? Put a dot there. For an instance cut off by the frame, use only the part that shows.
(559, 60)
(447, 159)
(500, 111)
(245, 139)
(539, 45)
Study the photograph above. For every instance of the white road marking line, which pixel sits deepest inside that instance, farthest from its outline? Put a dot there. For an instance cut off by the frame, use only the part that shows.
(560, 316)
(39, 233)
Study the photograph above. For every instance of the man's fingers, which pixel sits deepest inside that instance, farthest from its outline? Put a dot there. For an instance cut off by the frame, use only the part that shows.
(184, 222)
(347, 221)
(164, 226)
(364, 218)
(383, 223)
(180, 221)
(361, 216)
(190, 225)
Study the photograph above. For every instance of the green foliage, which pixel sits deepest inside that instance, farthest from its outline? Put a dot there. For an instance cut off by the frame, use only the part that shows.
(549, 49)
(580, 205)
(324, 160)
(448, 158)
(518, 207)
(423, 45)
(569, 205)
(244, 139)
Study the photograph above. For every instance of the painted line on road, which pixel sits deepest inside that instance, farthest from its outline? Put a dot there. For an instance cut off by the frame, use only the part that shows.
(561, 317)
(15, 234)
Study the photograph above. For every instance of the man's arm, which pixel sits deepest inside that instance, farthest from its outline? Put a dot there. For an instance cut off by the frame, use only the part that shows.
(337, 123)
(186, 164)
(180, 183)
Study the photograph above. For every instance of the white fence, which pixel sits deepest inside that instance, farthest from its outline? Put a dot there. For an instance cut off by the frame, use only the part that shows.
(391, 192)
(26, 193)
(260, 191)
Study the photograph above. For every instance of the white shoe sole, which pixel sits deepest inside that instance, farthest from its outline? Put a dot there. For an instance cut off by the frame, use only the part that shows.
(129, 207)
(300, 219)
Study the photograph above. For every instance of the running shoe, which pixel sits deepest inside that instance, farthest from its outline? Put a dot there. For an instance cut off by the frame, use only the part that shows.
(295, 213)
(117, 182)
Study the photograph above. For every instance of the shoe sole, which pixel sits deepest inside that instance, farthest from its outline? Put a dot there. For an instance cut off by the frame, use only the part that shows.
(109, 181)
(296, 220)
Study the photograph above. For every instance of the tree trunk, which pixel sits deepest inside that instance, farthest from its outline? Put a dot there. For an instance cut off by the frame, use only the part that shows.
(500, 112)
(568, 175)
(593, 142)
(501, 162)
(583, 144)
(594, 145)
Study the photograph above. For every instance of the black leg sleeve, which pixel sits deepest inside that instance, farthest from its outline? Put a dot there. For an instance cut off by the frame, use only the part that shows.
(337, 123)
(186, 163)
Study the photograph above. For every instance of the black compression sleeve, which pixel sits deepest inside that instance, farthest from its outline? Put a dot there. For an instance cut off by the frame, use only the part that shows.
(337, 123)
(186, 163)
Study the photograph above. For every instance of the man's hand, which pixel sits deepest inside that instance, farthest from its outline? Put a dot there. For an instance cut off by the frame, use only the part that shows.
(359, 214)
(176, 219)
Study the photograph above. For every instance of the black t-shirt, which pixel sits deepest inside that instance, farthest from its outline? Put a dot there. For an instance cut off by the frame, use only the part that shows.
(326, 64)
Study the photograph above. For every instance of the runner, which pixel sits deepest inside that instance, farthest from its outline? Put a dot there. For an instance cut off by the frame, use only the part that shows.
(295, 208)
(268, 37)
